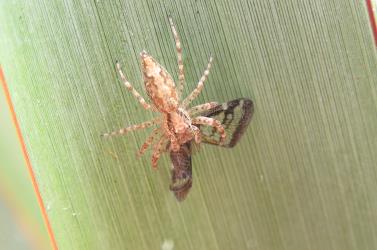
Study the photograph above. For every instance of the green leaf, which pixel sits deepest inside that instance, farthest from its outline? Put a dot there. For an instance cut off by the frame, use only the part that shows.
(303, 176)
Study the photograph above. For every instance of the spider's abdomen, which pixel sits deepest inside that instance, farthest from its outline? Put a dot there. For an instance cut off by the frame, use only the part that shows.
(159, 84)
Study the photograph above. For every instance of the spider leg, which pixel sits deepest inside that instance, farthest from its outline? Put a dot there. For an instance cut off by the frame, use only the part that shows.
(148, 141)
(173, 142)
(174, 145)
(213, 123)
(125, 130)
(157, 150)
(197, 135)
(199, 88)
(132, 90)
(181, 74)
(202, 107)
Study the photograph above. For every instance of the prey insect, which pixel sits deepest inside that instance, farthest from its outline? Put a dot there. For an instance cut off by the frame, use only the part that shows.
(178, 126)
(234, 116)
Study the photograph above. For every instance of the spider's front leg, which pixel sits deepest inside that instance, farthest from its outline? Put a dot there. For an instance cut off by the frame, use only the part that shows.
(202, 120)
(199, 88)
(132, 90)
(148, 141)
(157, 150)
(196, 132)
(123, 131)
(174, 145)
(202, 107)
(181, 74)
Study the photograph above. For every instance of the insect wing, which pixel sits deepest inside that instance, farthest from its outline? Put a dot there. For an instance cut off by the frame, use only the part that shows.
(234, 116)
(181, 173)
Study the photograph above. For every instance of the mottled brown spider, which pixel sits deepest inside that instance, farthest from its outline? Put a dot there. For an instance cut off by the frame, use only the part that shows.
(177, 124)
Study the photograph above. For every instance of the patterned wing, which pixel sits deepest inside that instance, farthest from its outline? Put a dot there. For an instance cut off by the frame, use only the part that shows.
(181, 173)
(235, 117)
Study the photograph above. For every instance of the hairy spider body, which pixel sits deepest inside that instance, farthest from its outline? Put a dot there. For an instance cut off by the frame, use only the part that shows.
(159, 85)
(177, 124)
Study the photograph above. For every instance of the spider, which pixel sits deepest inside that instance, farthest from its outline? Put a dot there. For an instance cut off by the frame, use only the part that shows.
(177, 124)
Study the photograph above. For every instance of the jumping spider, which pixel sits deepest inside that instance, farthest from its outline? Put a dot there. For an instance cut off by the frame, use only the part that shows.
(176, 125)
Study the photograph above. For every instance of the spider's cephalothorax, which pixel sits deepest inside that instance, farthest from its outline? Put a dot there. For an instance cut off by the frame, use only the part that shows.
(177, 123)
